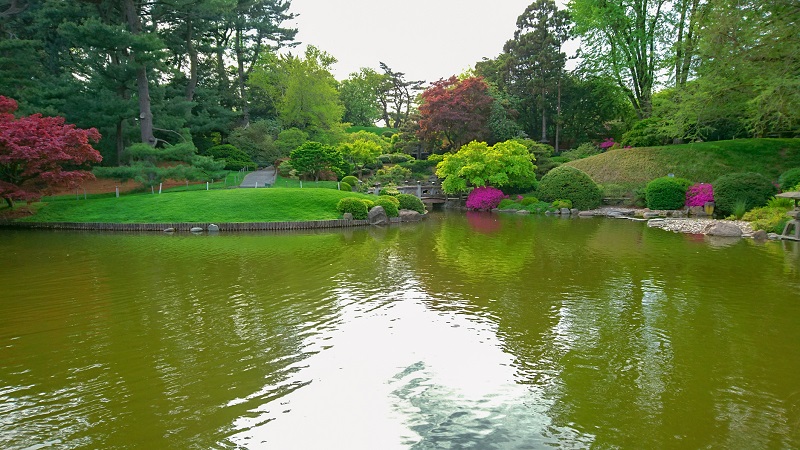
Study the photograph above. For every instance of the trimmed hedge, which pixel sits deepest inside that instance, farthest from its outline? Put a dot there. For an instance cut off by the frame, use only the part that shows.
(751, 187)
(235, 159)
(667, 193)
(351, 180)
(408, 201)
(569, 183)
(354, 206)
(388, 205)
(345, 186)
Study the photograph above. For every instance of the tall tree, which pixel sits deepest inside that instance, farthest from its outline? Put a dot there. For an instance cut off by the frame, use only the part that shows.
(627, 38)
(359, 95)
(455, 112)
(535, 59)
(396, 96)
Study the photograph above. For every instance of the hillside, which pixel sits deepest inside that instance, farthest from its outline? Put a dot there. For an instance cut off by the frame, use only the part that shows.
(699, 162)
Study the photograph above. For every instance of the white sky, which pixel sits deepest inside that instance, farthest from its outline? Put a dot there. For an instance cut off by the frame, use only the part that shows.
(425, 39)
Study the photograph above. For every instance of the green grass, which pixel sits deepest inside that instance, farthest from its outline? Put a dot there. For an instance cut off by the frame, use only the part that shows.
(281, 182)
(227, 205)
(699, 162)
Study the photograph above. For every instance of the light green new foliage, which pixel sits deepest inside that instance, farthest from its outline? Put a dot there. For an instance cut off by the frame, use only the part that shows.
(477, 164)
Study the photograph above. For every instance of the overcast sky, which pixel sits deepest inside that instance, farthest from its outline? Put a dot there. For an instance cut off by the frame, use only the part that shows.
(425, 39)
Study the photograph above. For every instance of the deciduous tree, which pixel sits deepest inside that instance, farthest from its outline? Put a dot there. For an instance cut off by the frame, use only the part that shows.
(38, 154)
(455, 112)
(312, 158)
(477, 164)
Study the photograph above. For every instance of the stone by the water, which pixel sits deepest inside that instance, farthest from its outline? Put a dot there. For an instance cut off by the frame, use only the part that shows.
(213, 228)
(377, 216)
(196, 229)
(723, 229)
(407, 215)
(169, 230)
(347, 216)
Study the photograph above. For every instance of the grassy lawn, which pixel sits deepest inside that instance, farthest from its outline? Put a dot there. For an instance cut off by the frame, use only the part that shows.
(223, 205)
(281, 182)
(699, 162)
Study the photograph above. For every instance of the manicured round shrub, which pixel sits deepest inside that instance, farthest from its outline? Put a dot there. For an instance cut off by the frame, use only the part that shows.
(408, 201)
(484, 198)
(351, 180)
(389, 190)
(354, 206)
(789, 179)
(528, 201)
(391, 199)
(752, 188)
(507, 203)
(368, 203)
(345, 186)
(569, 183)
(667, 193)
(562, 203)
(285, 169)
(388, 205)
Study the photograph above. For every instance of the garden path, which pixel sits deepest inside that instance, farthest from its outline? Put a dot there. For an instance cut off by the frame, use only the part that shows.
(259, 178)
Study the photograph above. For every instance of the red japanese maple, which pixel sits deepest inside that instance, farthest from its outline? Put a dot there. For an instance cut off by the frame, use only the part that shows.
(39, 154)
(455, 111)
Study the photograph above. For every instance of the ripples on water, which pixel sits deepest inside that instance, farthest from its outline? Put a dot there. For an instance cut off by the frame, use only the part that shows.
(464, 332)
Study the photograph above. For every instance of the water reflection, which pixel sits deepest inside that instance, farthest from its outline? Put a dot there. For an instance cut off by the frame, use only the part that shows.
(540, 333)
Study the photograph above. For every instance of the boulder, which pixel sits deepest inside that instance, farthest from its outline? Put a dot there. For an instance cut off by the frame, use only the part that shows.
(347, 216)
(377, 216)
(564, 211)
(407, 215)
(523, 211)
(650, 215)
(213, 228)
(773, 236)
(574, 211)
(196, 230)
(723, 229)
(169, 230)
(760, 235)
(586, 214)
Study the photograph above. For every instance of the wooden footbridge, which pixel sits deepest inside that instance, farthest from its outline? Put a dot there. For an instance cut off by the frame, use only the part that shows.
(430, 193)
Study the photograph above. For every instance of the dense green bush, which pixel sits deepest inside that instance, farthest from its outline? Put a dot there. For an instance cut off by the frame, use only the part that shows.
(789, 179)
(408, 201)
(391, 198)
(562, 203)
(584, 150)
(507, 203)
(667, 193)
(285, 169)
(389, 190)
(351, 180)
(395, 158)
(528, 201)
(565, 182)
(345, 186)
(753, 188)
(771, 219)
(421, 166)
(393, 175)
(388, 205)
(646, 133)
(368, 203)
(354, 206)
(235, 159)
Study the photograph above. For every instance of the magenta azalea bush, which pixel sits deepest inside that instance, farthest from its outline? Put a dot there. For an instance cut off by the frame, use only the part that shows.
(484, 198)
(607, 144)
(698, 194)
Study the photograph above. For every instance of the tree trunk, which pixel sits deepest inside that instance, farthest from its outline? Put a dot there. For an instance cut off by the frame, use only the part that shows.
(9, 202)
(145, 114)
(544, 120)
(558, 116)
(192, 50)
(120, 141)
(240, 77)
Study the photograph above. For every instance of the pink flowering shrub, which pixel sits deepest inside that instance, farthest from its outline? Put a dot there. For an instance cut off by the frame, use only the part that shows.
(607, 144)
(484, 198)
(699, 194)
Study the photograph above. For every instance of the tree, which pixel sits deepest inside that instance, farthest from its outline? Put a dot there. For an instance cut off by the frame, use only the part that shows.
(477, 164)
(535, 59)
(312, 158)
(455, 112)
(38, 154)
(151, 166)
(628, 39)
(360, 152)
(396, 96)
(303, 90)
(359, 95)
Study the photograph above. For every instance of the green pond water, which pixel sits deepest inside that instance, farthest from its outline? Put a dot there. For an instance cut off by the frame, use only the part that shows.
(464, 331)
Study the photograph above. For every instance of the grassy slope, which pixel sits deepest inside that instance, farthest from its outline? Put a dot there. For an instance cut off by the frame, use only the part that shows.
(699, 162)
(232, 205)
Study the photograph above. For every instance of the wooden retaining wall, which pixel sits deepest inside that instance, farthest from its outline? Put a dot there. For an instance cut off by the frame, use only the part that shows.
(185, 226)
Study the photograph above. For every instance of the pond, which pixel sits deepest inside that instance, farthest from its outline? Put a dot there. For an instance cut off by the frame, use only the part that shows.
(463, 331)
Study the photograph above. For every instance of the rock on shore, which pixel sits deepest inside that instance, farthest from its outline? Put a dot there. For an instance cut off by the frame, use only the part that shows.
(704, 226)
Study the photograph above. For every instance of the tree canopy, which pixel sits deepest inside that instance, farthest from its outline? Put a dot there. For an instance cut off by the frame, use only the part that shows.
(39, 154)
(454, 112)
(478, 164)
